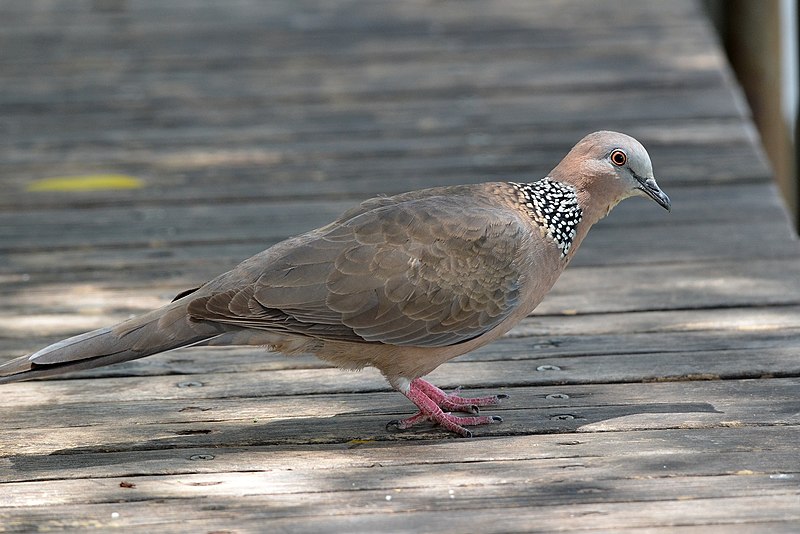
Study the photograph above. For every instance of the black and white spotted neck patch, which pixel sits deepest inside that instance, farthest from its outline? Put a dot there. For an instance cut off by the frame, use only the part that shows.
(554, 206)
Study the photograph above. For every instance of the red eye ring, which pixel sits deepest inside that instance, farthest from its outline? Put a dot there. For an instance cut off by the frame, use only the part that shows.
(619, 158)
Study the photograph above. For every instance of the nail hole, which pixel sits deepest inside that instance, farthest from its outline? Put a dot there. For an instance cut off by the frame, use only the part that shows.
(548, 368)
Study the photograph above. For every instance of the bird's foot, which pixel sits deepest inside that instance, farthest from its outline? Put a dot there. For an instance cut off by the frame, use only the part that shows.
(430, 400)
(447, 420)
(455, 402)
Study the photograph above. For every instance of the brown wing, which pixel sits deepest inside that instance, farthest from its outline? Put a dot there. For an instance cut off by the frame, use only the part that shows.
(423, 272)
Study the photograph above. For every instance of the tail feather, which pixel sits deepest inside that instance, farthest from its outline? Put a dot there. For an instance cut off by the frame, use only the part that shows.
(164, 329)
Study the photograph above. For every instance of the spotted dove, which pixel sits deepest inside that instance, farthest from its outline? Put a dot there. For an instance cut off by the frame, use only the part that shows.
(402, 283)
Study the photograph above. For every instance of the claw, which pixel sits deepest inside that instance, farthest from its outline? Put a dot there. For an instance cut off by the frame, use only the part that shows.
(454, 401)
(431, 401)
(393, 425)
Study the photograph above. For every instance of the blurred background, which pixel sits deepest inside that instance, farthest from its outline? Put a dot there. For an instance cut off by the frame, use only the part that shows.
(761, 40)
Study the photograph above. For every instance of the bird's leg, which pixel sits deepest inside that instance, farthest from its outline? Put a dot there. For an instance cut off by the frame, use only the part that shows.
(429, 410)
(455, 402)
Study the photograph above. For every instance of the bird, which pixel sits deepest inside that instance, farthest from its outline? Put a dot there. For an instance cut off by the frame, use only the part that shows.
(400, 283)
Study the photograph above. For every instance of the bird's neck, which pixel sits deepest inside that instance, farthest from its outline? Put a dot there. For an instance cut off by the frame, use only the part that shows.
(554, 207)
(595, 203)
(565, 210)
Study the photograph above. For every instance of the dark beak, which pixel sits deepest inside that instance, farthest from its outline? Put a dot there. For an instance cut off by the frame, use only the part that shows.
(651, 189)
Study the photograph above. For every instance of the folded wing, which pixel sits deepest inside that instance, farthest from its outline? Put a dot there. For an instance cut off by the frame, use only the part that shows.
(426, 272)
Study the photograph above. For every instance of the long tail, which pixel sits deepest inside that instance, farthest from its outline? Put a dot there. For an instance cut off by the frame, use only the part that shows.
(163, 329)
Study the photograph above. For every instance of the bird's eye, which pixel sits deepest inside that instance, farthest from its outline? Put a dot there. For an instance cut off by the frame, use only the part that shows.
(619, 158)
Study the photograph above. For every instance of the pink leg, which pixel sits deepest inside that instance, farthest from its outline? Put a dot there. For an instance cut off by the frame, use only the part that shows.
(455, 402)
(427, 398)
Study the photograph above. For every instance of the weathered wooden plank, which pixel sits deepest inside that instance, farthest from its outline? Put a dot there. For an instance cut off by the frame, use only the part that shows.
(416, 488)
(203, 147)
(137, 518)
(516, 346)
(143, 425)
(297, 414)
(660, 287)
(430, 153)
(611, 518)
(643, 463)
(259, 384)
(702, 451)
(102, 48)
(191, 175)
(687, 132)
(394, 75)
(410, 509)
(400, 78)
(259, 184)
(207, 11)
(748, 319)
(415, 17)
(428, 111)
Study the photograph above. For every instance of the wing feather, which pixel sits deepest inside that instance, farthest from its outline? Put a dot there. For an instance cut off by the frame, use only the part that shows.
(422, 272)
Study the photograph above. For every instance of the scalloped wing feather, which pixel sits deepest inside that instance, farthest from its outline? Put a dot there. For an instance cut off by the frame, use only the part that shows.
(426, 272)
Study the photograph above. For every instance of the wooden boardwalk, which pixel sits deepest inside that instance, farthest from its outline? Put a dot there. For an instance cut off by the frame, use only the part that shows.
(657, 389)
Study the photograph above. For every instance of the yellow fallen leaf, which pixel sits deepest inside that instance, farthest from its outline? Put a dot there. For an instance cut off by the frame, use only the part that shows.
(90, 182)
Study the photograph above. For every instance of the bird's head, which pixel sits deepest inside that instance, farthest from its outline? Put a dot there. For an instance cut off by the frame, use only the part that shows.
(611, 165)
